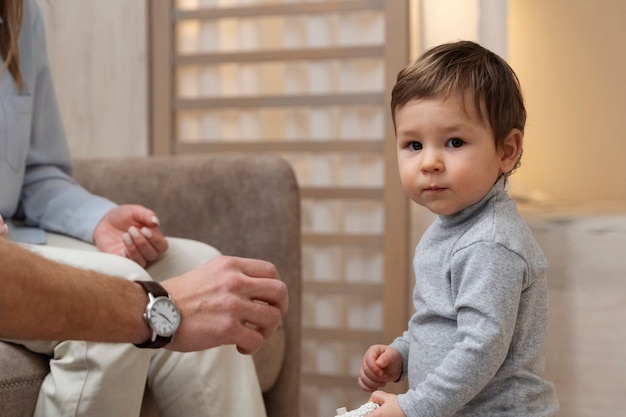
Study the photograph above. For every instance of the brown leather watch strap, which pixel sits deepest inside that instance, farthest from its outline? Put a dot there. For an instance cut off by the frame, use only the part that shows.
(159, 342)
(153, 288)
(156, 290)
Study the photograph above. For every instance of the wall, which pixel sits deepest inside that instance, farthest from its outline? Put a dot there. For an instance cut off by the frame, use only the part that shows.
(568, 57)
(481, 21)
(571, 64)
(447, 20)
(97, 52)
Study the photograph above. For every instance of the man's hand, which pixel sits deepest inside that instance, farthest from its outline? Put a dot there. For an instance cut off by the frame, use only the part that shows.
(131, 231)
(228, 300)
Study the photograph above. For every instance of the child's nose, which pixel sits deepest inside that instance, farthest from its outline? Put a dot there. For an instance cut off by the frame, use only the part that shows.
(431, 161)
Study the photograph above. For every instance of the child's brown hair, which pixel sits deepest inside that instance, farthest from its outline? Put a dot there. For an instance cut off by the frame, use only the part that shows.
(460, 67)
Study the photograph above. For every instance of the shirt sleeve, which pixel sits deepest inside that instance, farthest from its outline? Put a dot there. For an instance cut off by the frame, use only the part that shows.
(50, 197)
(487, 281)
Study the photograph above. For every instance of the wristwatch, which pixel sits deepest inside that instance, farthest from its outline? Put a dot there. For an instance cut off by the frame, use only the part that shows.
(162, 315)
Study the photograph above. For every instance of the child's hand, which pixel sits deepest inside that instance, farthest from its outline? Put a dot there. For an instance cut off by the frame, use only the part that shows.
(131, 231)
(4, 229)
(389, 406)
(381, 364)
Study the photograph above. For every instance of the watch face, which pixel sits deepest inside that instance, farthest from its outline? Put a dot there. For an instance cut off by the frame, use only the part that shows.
(163, 316)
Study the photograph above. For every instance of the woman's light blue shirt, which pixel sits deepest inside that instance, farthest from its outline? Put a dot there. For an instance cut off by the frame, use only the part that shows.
(35, 167)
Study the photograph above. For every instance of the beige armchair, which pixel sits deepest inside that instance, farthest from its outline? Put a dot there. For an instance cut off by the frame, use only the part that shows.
(245, 205)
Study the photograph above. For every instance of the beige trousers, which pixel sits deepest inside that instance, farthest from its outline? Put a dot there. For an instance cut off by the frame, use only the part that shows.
(99, 379)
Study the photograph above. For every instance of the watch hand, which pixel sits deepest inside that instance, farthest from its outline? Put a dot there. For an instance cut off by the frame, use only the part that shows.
(165, 317)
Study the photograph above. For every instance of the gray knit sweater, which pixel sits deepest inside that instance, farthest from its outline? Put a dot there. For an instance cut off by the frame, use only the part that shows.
(476, 343)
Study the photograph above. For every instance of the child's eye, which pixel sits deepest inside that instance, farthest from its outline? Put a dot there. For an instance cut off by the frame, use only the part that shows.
(415, 146)
(455, 143)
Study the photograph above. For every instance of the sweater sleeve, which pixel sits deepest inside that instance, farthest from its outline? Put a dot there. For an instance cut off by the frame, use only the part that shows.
(403, 344)
(487, 280)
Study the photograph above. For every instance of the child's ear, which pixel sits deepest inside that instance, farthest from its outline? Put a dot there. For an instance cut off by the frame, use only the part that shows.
(511, 151)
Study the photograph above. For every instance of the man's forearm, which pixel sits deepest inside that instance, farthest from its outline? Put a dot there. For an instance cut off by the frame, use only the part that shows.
(44, 300)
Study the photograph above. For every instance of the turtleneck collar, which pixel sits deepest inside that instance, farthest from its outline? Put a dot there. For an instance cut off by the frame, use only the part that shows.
(461, 216)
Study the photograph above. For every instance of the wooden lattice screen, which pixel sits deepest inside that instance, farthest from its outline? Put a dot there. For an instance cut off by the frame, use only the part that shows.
(308, 80)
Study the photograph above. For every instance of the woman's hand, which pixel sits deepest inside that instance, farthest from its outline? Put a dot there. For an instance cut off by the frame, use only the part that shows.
(131, 231)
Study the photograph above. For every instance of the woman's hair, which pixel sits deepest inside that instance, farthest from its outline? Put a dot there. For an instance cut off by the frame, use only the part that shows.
(460, 67)
(11, 14)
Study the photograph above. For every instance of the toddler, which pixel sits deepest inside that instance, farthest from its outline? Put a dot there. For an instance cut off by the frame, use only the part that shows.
(475, 345)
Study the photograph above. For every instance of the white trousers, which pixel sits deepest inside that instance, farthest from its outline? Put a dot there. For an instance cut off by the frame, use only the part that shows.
(105, 379)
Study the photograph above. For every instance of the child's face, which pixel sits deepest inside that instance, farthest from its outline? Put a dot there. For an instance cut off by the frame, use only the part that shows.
(447, 155)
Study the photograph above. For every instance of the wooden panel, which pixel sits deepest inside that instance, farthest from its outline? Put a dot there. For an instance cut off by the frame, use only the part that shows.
(316, 100)
(366, 290)
(279, 9)
(342, 240)
(283, 146)
(397, 253)
(347, 193)
(161, 42)
(398, 271)
(280, 55)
